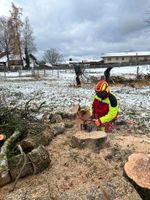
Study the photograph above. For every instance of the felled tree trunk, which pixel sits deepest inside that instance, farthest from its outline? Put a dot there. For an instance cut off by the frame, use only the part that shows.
(137, 169)
(93, 140)
(4, 175)
(39, 159)
(19, 166)
(36, 161)
(4, 150)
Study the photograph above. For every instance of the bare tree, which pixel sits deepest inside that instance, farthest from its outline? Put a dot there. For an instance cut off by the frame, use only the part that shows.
(4, 36)
(53, 56)
(28, 41)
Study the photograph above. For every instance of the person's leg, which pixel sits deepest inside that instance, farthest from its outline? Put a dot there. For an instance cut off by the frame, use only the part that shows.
(78, 80)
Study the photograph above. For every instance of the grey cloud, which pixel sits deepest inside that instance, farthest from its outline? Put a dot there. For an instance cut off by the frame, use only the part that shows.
(88, 27)
(100, 27)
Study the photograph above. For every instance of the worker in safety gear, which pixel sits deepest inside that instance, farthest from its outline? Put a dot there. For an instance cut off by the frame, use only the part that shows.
(77, 69)
(104, 106)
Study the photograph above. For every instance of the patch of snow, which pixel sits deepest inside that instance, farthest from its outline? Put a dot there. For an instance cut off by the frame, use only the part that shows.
(57, 90)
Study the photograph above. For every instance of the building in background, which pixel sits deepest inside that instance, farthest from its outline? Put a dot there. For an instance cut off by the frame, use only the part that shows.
(126, 57)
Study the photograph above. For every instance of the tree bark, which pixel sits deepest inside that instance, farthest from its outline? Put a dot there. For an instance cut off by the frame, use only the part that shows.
(3, 153)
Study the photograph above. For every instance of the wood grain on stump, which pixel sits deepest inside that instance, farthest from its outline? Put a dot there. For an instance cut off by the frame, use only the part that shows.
(137, 170)
(93, 140)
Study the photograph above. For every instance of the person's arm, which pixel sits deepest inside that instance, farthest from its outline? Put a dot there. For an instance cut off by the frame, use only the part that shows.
(110, 115)
(113, 110)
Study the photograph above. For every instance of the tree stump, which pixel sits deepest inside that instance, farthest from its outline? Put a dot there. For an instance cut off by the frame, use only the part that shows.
(93, 140)
(137, 169)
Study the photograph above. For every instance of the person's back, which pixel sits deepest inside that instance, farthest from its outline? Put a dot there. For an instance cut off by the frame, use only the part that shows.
(77, 69)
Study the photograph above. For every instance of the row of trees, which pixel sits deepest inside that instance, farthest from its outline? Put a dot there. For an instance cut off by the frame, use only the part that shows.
(16, 36)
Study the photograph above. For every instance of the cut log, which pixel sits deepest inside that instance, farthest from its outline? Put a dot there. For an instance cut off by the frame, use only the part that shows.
(36, 161)
(137, 169)
(3, 154)
(15, 166)
(39, 158)
(31, 142)
(57, 128)
(93, 140)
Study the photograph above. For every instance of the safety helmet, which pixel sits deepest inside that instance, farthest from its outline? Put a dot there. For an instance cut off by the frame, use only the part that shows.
(102, 86)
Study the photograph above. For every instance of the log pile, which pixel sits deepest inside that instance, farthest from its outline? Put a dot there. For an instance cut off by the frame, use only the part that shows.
(36, 161)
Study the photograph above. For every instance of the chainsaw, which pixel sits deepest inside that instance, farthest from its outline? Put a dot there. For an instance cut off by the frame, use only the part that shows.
(89, 125)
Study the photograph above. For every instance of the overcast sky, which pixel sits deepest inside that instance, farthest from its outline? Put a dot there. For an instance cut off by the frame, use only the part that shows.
(86, 28)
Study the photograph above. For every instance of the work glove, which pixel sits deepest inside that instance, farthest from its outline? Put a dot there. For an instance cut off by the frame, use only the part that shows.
(97, 122)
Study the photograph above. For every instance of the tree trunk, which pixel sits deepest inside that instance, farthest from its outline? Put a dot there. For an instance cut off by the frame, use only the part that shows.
(39, 158)
(3, 153)
(25, 164)
(93, 140)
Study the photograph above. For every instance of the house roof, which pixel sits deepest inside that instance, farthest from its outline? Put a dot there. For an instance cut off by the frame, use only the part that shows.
(48, 64)
(138, 53)
(84, 61)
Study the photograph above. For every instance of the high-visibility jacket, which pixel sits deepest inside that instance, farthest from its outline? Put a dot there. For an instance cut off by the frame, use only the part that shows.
(105, 110)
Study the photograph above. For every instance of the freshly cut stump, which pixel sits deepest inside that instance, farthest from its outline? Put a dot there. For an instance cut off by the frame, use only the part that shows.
(93, 140)
(137, 170)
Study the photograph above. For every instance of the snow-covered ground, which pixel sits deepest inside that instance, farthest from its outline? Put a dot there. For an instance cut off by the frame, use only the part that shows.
(56, 89)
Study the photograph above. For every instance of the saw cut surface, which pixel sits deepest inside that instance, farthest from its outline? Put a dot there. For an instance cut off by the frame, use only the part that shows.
(138, 169)
(92, 140)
